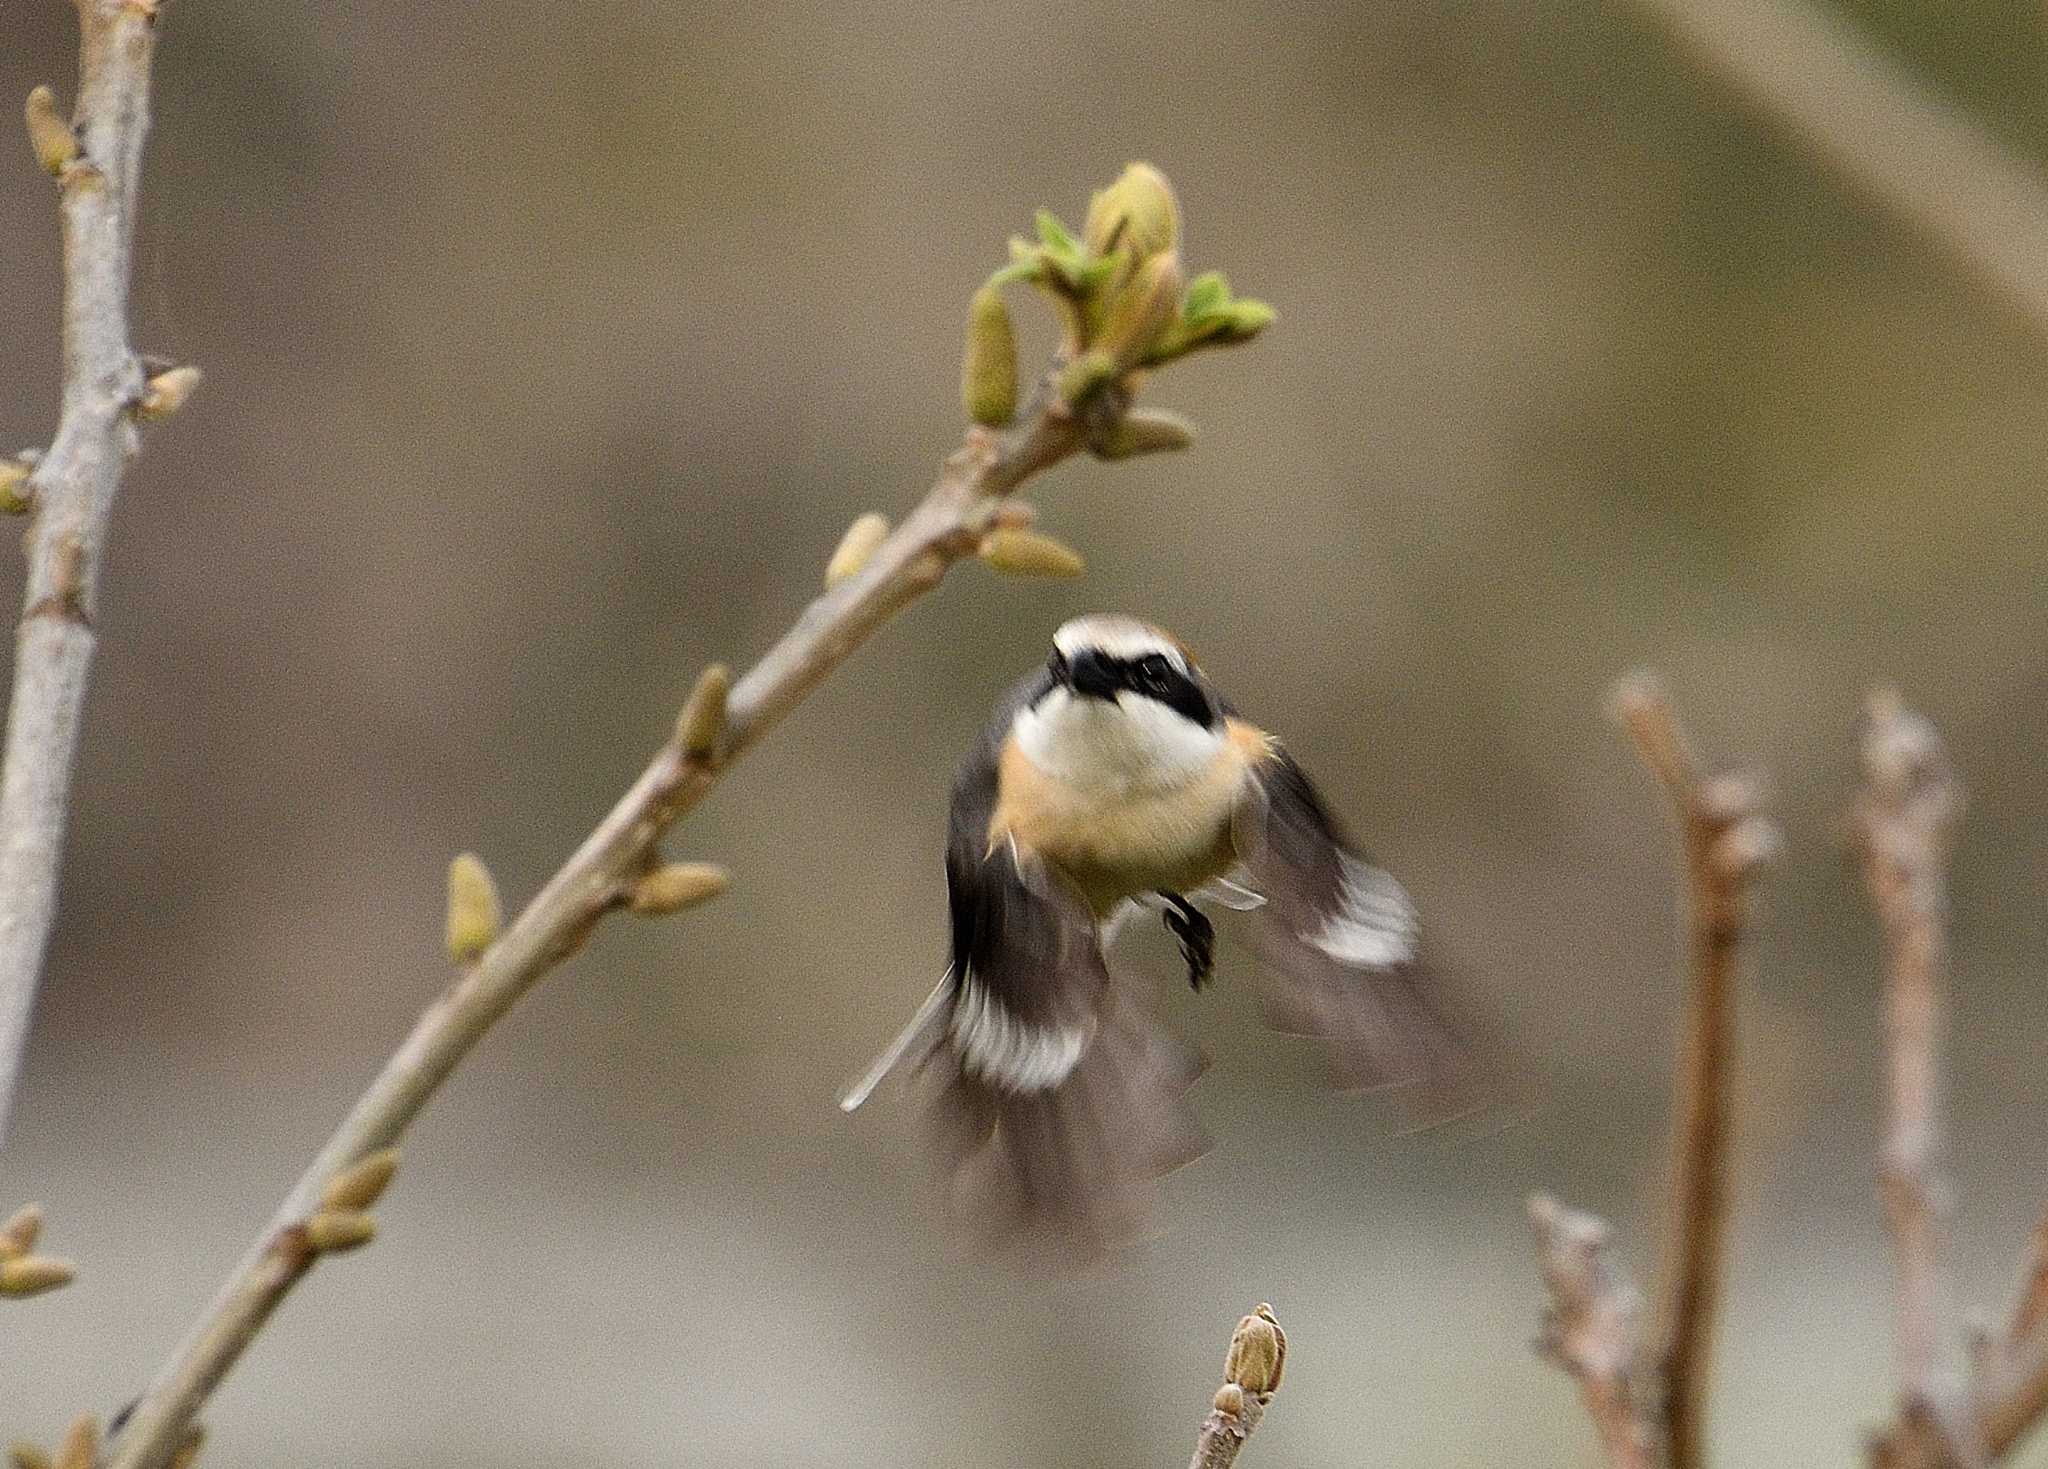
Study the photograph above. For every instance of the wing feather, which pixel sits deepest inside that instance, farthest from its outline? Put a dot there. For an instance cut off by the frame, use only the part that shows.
(1342, 942)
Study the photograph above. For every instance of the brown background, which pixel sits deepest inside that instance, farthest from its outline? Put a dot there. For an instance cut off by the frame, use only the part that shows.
(548, 349)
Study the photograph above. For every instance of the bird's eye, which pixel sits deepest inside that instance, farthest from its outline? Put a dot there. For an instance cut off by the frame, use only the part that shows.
(1154, 669)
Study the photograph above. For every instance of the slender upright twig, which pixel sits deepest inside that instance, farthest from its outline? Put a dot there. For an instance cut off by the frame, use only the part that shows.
(2010, 1388)
(1251, 1375)
(1905, 822)
(97, 161)
(1911, 152)
(1725, 843)
(1591, 1327)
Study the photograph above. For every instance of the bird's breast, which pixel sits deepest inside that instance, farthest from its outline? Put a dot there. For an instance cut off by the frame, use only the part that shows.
(1117, 842)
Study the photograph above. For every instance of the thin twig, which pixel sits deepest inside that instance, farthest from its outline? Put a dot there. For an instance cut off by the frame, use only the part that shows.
(1590, 1328)
(1251, 1375)
(1905, 822)
(1911, 152)
(98, 164)
(965, 503)
(2010, 1389)
(1725, 843)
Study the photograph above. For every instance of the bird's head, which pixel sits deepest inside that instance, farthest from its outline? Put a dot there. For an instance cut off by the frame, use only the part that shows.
(1122, 703)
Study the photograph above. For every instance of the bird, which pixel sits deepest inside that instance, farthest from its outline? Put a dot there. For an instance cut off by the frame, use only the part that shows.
(1111, 781)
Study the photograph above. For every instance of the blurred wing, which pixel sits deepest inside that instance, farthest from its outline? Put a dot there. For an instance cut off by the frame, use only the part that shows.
(1342, 941)
(1056, 1103)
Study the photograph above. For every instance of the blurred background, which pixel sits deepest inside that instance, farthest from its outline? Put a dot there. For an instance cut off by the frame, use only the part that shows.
(548, 351)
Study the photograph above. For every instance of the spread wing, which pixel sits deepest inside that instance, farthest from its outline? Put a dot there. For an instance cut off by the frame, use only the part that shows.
(1343, 944)
(1056, 1102)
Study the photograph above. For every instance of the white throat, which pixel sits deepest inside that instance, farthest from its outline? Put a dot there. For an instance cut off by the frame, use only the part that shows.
(1134, 744)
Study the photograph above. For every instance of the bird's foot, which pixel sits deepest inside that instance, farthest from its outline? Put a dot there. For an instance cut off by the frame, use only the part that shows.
(1197, 937)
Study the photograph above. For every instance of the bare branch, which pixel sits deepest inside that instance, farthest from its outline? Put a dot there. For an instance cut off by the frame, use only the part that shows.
(1591, 1327)
(601, 877)
(97, 161)
(1911, 152)
(1251, 1375)
(1726, 842)
(2010, 1389)
(1905, 820)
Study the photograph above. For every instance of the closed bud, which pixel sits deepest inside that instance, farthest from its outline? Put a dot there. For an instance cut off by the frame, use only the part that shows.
(31, 1275)
(55, 145)
(334, 1231)
(473, 911)
(1142, 310)
(857, 547)
(1245, 319)
(14, 491)
(1018, 552)
(675, 886)
(166, 393)
(988, 368)
(362, 1183)
(703, 718)
(1084, 376)
(81, 1446)
(1143, 431)
(24, 1455)
(1229, 1400)
(1136, 214)
(1258, 1350)
(19, 1234)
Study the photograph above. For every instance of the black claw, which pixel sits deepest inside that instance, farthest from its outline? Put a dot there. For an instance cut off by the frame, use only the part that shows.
(1197, 937)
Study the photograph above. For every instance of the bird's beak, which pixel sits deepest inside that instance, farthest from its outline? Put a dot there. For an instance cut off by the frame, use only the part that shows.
(1090, 676)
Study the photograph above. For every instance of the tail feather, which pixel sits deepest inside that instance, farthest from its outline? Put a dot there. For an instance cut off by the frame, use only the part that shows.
(1069, 1169)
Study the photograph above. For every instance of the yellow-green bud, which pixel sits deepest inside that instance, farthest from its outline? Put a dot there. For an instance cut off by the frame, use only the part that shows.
(1229, 1400)
(166, 393)
(675, 886)
(703, 718)
(1084, 376)
(1137, 214)
(333, 1231)
(31, 1275)
(857, 547)
(1141, 311)
(1245, 319)
(1258, 1351)
(988, 368)
(362, 1183)
(1144, 431)
(55, 145)
(1018, 552)
(14, 492)
(19, 1234)
(24, 1455)
(473, 911)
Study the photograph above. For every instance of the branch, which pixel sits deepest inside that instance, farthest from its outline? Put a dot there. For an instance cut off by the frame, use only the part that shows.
(1590, 1327)
(1905, 820)
(1725, 844)
(1906, 149)
(600, 877)
(2011, 1377)
(97, 162)
(1251, 1375)
(1121, 294)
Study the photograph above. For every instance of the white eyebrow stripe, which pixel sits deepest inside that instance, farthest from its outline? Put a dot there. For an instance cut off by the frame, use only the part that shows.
(1375, 926)
(1008, 1052)
(1116, 637)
